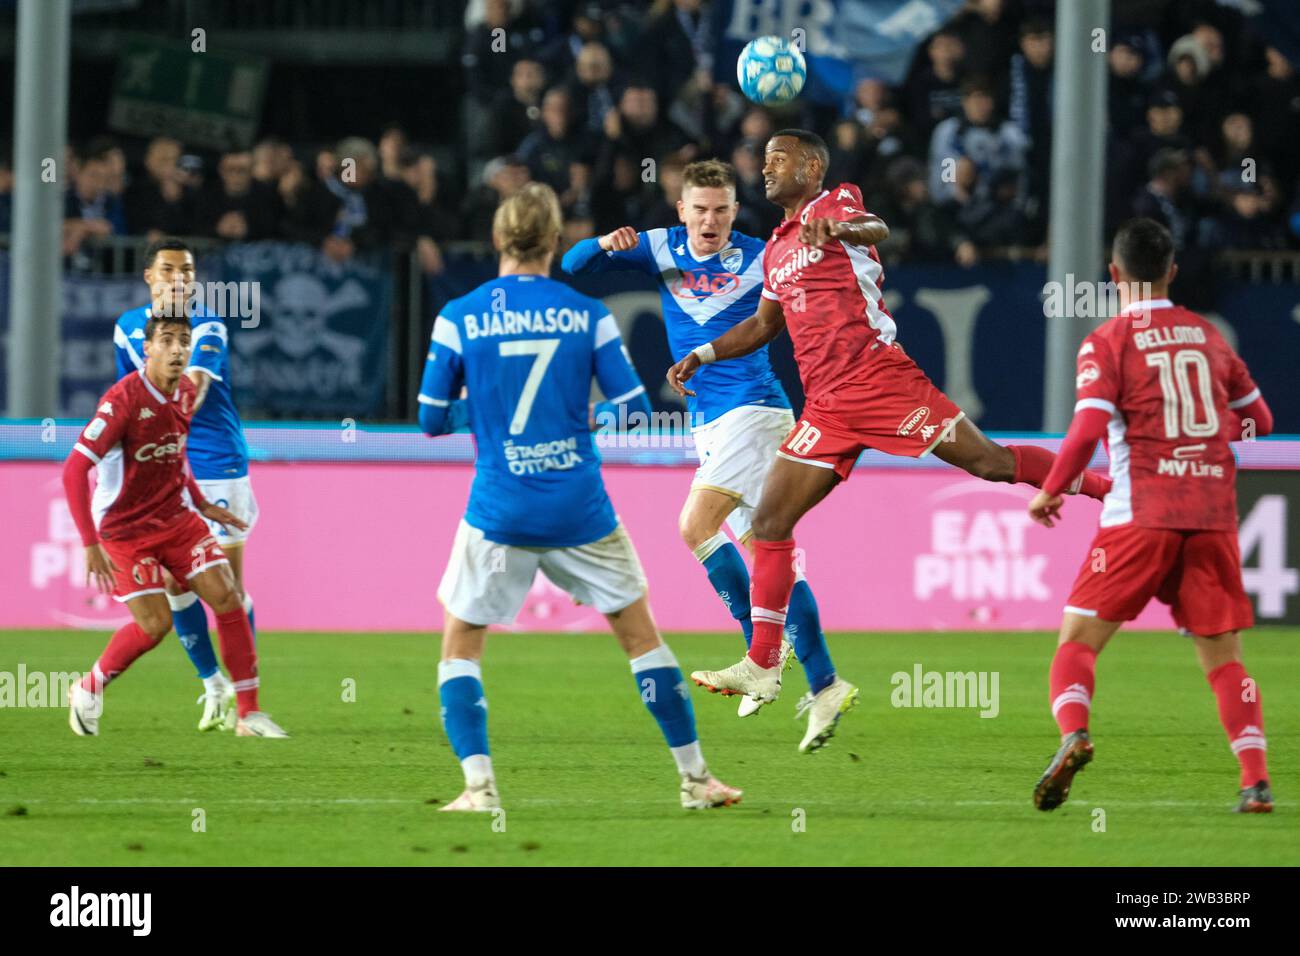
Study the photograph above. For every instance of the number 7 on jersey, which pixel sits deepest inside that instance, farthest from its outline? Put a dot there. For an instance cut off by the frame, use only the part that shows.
(542, 350)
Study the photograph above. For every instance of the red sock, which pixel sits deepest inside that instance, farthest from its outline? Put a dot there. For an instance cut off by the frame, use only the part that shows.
(1071, 683)
(126, 644)
(1242, 716)
(239, 657)
(769, 596)
(1034, 463)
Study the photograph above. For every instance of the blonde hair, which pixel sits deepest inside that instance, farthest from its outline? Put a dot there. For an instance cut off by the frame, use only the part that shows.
(710, 174)
(527, 225)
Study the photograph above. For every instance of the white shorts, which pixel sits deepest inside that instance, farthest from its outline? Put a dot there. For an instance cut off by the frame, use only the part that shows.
(236, 494)
(736, 450)
(486, 582)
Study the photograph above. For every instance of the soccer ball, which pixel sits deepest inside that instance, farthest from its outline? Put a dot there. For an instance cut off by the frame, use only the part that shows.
(771, 70)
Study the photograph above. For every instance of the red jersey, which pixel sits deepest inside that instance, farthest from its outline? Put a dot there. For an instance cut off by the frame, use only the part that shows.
(137, 442)
(1169, 382)
(831, 295)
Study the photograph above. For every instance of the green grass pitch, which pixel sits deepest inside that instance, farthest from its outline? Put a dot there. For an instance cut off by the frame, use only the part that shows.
(585, 777)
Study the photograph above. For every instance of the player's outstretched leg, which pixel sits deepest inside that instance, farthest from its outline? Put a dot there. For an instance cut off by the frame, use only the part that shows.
(150, 625)
(1071, 683)
(790, 490)
(663, 691)
(730, 579)
(829, 696)
(971, 450)
(215, 585)
(191, 623)
(1242, 716)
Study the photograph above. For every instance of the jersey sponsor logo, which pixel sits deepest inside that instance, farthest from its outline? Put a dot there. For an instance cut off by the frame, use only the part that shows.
(801, 259)
(1190, 451)
(145, 413)
(96, 428)
(106, 408)
(914, 421)
(1088, 373)
(1185, 468)
(155, 451)
(731, 259)
(696, 284)
(851, 209)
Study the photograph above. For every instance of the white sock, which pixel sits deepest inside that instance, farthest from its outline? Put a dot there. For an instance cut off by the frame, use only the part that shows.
(690, 759)
(179, 602)
(478, 770)
(215, 682)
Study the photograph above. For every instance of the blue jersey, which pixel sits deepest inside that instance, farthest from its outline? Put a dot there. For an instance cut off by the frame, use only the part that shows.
(702, 298)
(526, 347)
(216, 444)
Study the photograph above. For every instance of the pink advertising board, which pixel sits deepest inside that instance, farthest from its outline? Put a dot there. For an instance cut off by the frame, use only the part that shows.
(361, 547)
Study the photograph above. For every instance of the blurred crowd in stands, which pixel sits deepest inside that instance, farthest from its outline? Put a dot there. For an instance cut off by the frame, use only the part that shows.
(1203, 135)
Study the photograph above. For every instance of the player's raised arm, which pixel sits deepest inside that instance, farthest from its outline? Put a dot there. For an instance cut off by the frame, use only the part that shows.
(620, 249)
(444, 373)
(741, 339)
(848, 221)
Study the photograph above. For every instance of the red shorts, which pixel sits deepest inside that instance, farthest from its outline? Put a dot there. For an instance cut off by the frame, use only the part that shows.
(184, 549)
(1197, 573)
(896, 410)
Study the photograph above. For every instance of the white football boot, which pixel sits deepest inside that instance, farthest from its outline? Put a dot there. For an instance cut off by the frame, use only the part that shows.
(480, 799)
(824, 711)
(84, 709)
(257, 724)
(702, 793)
(748, 705)
(219, 712)
(744, 677)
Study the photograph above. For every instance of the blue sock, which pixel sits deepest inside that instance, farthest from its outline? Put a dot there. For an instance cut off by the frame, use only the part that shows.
(191, 623)
(464, 708)
(663, 690)
(729, 577)
(803, 629)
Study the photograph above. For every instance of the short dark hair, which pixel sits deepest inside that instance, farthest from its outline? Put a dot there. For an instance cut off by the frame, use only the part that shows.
(1143, 249)
(811, 142)
(158, 321)
(165, 244)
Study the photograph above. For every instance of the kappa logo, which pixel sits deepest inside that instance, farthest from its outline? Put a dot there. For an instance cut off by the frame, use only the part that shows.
(914, 421)
(844, 194)
(927, 431)
(1087, 349)
(145, 413)
(1088, 373)
(106, 408)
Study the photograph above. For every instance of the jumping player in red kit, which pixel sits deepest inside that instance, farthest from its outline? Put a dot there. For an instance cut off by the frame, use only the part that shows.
(141, 523)
(823, 278)
(1168, 394)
